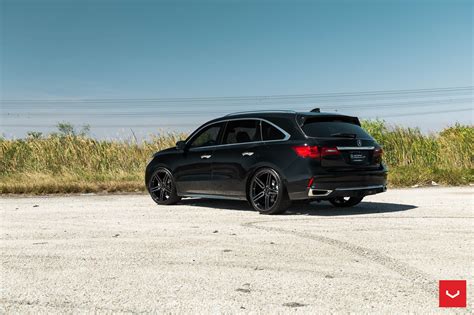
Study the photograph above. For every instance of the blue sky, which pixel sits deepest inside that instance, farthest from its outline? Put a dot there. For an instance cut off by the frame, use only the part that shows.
(154, 49)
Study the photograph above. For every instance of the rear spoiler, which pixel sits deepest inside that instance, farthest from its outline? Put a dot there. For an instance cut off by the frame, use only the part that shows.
(302, 119)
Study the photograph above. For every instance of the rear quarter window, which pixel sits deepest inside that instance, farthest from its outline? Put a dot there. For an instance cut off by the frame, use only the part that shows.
(270, 132)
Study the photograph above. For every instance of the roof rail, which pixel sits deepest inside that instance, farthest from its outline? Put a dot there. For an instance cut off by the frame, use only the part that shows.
(261, 111)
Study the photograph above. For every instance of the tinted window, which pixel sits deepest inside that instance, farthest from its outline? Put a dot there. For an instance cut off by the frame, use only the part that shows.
(241, 131)
(335, 128)
(206, 137)
(269, 132)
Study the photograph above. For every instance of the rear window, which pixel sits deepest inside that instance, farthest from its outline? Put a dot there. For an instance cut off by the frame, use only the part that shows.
(333, 128)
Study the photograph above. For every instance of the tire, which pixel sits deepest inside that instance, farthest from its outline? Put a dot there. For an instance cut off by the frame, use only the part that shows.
(162, 187)
(267, 193)
(342, 202)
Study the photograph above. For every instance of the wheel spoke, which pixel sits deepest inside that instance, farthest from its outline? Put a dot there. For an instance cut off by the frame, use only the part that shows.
(272, 191)
(158, 179)
(258, 196)
(154, 189)
(259, 182)
(166, 179)
(264, 190)
(269, 180)
(167, 182)
(161, 185)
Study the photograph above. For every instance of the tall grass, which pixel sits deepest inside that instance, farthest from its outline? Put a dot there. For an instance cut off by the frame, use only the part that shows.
(76, 163)
(415, 158)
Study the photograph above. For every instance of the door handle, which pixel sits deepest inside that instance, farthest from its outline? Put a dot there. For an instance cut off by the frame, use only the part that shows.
(206, 156)
(247, 153)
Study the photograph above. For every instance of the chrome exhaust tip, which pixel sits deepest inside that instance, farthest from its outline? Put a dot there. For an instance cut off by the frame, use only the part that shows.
(318, 192)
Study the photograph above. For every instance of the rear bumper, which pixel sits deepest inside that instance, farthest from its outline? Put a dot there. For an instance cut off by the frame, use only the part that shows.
(344, 184)
(345, 192)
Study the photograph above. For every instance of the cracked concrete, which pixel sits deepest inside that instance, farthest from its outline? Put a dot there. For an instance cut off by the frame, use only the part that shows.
(123, 253)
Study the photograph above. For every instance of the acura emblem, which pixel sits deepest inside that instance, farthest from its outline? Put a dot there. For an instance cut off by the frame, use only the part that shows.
(359, 143)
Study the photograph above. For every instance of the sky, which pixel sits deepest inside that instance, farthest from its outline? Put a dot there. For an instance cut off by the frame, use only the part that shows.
(69, 51)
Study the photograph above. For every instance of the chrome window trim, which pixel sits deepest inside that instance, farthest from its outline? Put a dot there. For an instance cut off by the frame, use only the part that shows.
(203, 127)
(286, 134)
(355, 148)
(195, 132)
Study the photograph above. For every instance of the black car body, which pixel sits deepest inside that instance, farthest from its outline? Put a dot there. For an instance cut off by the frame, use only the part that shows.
(309, 155)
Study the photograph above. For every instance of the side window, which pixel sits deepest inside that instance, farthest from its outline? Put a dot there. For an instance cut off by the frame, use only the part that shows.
(206, 137)
(269, 132)
(241, 131)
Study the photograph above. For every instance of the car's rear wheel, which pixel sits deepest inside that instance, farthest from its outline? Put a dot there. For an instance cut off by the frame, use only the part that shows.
(267, 193)
(162, 188)
(342, 202)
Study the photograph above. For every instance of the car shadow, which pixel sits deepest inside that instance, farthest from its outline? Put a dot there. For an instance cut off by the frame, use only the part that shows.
(326, 209)
(299, 208)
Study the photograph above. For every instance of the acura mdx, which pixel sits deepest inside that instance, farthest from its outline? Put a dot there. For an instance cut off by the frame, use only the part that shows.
(270, 158)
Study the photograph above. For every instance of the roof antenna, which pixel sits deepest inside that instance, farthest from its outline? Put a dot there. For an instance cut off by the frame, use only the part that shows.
(316, 110)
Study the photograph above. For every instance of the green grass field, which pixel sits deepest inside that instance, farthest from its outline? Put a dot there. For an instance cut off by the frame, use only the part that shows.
(67, 162)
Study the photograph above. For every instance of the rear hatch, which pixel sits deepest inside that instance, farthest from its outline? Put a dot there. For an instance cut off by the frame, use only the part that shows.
(342, 143)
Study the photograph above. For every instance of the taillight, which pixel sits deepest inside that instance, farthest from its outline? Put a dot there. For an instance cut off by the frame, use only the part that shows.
(307, 151)
(315, 152)
(325, 151)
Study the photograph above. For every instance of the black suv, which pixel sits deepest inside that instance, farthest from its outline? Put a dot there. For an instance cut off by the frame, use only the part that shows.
(270, 158)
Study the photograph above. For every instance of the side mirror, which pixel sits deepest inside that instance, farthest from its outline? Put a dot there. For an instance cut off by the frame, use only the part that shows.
(180, 145)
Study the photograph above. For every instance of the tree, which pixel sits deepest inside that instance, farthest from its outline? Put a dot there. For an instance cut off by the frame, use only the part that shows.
(34, 135)
(68, 129)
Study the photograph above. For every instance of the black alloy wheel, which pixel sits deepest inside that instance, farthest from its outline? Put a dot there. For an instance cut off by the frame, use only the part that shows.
(342, 202)
(162, 188)
(267, 193)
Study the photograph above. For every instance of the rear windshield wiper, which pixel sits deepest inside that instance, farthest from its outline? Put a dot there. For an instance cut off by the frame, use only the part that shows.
(344, 135)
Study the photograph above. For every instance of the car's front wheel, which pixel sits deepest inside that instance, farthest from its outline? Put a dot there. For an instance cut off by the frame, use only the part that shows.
(267, 192)
(342, 202)
(162, 188)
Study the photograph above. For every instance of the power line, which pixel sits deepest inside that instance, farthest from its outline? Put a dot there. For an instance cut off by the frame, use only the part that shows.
(201, 112)
(426, 113)
(192, 124)
(106, 126)
(424, 92)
